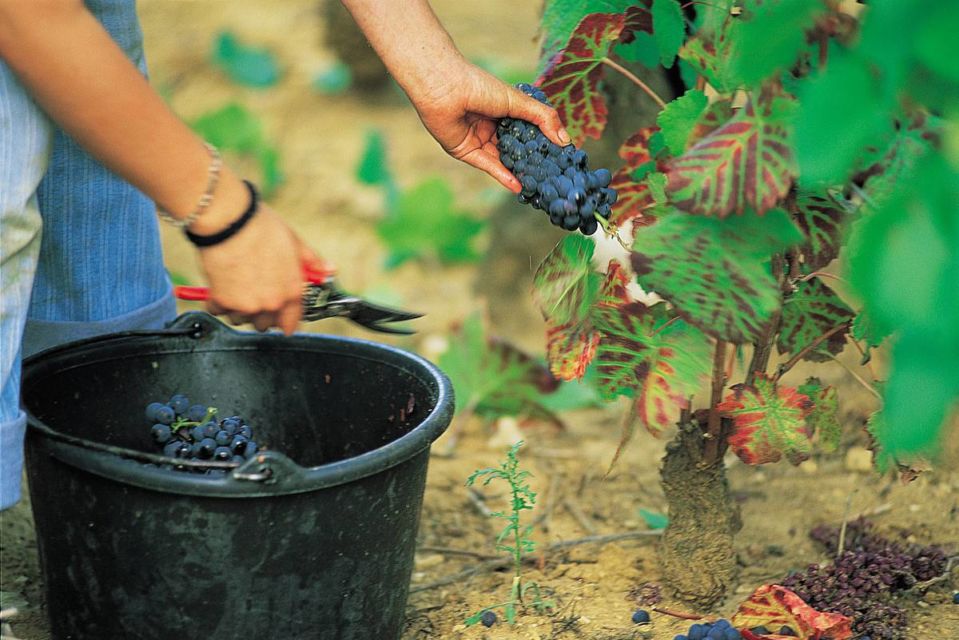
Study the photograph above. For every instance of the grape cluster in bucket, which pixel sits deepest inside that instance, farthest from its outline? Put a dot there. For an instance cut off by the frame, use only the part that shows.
(554, 179)
(193, 432)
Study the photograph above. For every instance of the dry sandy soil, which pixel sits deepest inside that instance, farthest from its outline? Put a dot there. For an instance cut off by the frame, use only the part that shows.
(320, 139)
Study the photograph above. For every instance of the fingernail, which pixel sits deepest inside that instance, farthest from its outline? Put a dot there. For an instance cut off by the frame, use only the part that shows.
(564, 136)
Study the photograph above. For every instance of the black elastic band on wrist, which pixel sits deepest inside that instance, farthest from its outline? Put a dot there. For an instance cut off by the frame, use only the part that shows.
(229, 232)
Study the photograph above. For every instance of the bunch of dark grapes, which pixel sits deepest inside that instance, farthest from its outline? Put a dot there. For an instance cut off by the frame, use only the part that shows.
(555, 179)
(862, 582)
(719, 630)
(192, 432)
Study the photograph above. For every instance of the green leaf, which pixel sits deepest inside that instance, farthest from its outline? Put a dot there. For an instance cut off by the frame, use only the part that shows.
(373, 168)
(654, 520)
(657, 361)
(679, 118)
(493, 381)
(246, 65)
(747, 162)
(234, 128)
(716, 271)
(426, 223)
(809, 312)
(823, 418)
(708, 53)
(574, 394)
(768, 422)
(643, 49)
(936, 42)
(841, 112)
(669, 29)
(771, 37)
(566, 285)
(572, 79)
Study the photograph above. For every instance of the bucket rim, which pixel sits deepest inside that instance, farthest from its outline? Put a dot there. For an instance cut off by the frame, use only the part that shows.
(246, 479)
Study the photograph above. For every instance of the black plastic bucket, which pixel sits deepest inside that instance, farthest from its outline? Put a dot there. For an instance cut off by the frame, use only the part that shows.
(317, 543)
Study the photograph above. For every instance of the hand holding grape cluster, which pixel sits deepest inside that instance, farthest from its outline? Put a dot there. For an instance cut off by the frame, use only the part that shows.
(555, 179)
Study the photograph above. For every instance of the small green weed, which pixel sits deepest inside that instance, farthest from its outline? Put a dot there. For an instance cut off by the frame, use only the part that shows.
(514, 539)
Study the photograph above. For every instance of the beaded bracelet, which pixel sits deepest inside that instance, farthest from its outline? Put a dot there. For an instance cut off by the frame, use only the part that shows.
(229, 232)
(216, 163)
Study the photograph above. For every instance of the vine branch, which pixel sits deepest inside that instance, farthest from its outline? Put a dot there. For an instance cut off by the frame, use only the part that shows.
(789, 364)
(714, 422)
(635, 80)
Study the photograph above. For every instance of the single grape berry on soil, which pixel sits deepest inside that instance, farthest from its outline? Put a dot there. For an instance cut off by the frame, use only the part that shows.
(555, 179)
(641, 616)
(488, 619)
(192, 432)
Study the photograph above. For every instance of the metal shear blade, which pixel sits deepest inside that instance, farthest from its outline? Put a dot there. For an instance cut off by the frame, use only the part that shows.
(323, 300)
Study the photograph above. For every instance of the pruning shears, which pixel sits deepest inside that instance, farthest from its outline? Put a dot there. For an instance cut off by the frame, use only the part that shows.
(322, 298)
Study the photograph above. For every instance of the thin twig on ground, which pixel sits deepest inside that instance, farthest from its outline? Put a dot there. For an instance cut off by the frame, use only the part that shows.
(573, 507)
(942, 577)
(477, 499)
(492, 565)
(449, 551)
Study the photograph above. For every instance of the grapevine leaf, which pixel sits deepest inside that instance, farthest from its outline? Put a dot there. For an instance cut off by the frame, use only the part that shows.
(569, 349)
(560, 18)
(669, 29)
(714, 116)
(774, 606)
(768, 422)
(823, 419)
(373, 168)
(565, 285)
(821, 219)
(715, 271)
(884, 172)
(678, 119)
(654, 519)
(657, 187)
(747, 162)
(771, 37)
(572, 79)
(634, 201)
(841, 112)
(656, 360)
(809, 312)
(707, 53)
(425, 223)
(635, 151)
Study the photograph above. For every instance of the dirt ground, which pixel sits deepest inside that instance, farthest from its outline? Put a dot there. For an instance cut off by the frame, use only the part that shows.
(594, 585)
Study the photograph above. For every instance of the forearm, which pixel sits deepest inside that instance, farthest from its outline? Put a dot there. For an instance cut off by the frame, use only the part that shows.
(83, 81)
(410, 40)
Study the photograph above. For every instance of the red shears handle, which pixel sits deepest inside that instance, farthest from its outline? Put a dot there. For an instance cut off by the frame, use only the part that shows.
(314, 273)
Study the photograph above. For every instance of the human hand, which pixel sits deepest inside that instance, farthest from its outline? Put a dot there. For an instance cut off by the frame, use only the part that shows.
(461, 111)
(257, 275)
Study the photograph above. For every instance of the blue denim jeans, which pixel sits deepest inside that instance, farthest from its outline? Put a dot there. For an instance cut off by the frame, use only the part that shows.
(80, 252)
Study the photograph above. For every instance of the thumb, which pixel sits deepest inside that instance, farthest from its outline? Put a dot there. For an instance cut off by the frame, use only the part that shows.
(546, 118)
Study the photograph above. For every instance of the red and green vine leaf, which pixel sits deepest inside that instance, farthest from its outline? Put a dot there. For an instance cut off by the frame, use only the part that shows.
(565, 287)
(678, 119)
(613, 290)
(572, 78)
(821, 219)
(635, 151)
(809, 312)
(774, 606)
(714, 116)
(715, 271)
(669, 29)
(657, 360)
(708, 53)
(768, 422)
(634, 200)
(823, 419)
(747, 162)
(560, 18)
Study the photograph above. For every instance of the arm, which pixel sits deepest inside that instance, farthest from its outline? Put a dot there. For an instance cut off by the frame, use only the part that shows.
(458, 102)
(83, 81)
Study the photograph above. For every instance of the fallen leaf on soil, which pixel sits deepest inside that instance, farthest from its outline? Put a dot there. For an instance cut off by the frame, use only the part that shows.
(773, 606)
